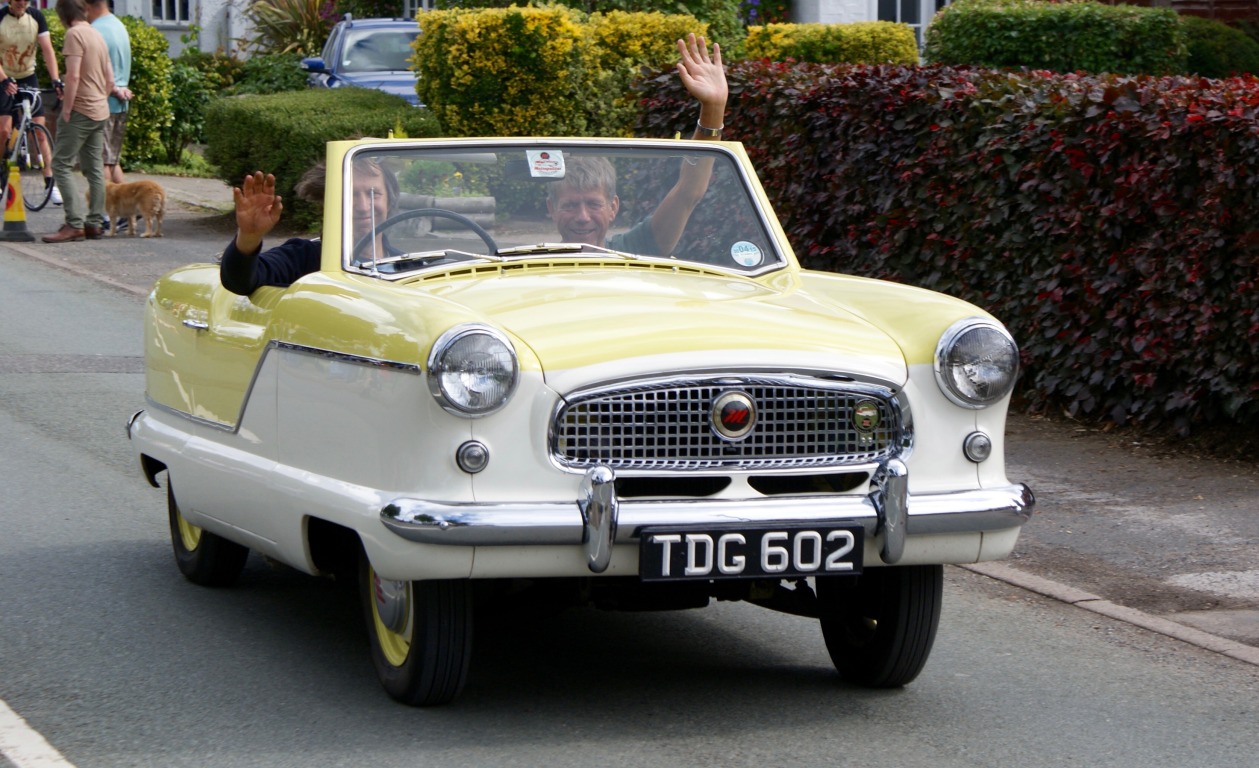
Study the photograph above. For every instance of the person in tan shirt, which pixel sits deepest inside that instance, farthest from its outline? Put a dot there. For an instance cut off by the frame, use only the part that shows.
(89, 81)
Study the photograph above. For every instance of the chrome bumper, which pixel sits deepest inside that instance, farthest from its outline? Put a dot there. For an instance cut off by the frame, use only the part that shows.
(598, 519)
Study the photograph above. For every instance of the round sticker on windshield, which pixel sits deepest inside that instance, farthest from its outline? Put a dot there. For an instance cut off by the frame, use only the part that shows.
(746, 254)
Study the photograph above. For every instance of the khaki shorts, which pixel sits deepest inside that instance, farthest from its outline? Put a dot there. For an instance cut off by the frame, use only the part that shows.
(114, 129)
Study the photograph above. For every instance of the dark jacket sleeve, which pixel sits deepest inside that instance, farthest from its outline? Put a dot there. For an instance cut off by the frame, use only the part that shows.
(243, 273)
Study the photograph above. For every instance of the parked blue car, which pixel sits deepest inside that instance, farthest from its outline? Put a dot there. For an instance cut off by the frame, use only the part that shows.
(367, 53)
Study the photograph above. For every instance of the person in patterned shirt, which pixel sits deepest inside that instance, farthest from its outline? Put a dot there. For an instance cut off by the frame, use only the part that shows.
(23, 31)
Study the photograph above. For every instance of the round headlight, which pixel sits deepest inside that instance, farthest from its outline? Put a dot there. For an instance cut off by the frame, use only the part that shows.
(976, 363)
(472, 370)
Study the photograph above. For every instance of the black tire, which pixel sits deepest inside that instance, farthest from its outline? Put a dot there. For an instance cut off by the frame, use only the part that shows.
(879, 627)
(425, 662)
(35, 192)
(203, 557)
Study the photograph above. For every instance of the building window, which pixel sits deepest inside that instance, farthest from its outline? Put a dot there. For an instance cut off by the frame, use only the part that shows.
(412, 7)
(171, 11)
(916, 13)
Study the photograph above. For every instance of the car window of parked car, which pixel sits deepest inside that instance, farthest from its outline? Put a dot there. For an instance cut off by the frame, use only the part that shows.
(377, 50)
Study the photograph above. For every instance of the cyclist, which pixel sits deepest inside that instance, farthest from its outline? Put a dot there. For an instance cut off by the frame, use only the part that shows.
(23, 31)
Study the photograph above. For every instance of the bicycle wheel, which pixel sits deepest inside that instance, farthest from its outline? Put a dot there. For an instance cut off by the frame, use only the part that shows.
(31, 164)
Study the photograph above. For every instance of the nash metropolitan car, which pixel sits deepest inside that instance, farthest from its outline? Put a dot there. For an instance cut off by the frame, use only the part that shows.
(586, 368)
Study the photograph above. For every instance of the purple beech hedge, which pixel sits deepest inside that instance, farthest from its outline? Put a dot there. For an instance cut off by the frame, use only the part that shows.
(1111, 222)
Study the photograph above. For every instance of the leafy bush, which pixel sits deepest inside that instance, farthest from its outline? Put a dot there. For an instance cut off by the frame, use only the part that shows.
(1063, 37)
(625, 44)
(1218, 50)
(270, 73)
(190, 93)
(290, 26)
(506, 72)
(866, 42)
(1106, 219)
(540, 71)
(287, 133)
(722, 17)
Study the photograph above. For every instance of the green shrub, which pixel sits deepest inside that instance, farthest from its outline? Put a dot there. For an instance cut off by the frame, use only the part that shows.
(219, 69)
(1106, 219)
(540, 71)
(625, 44)
(270, 73)
(1061, 37)
(287, 133)
(507, 71)
(290, 26)
(866, 42)
(1218, 50)
(190, 93)
(722, 17)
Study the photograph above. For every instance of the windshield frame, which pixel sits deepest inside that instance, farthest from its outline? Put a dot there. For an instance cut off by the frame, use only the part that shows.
(777, 256)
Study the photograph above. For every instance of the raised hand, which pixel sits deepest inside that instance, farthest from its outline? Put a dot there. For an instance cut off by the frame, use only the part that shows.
(703, 75)
(258, 209)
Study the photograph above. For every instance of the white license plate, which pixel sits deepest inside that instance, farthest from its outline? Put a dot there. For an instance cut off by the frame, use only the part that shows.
(780, 552)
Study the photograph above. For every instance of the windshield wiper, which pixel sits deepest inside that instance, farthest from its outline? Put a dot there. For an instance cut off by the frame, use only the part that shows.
(551, 248)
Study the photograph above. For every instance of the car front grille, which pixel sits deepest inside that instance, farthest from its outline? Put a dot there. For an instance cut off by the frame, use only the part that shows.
(668, 425)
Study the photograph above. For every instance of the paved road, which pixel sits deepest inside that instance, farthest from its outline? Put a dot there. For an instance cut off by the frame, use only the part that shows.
(1174, 535)
(116, 660)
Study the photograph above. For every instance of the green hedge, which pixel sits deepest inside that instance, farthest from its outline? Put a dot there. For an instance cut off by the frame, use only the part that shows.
(722, 18)
(150, 110)
(540, 71)
(866, 42)
(287, 133)
(1108, 220)
(1218, 50)
(1062, 37)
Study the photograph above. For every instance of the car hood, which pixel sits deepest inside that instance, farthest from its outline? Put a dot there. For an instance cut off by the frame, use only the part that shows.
(602, 324)
(398, 83)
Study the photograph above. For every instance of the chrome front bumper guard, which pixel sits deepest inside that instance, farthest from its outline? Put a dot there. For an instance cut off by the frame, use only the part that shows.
(599, 519)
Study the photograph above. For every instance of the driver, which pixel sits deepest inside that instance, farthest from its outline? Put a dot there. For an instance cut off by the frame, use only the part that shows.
(245, 267)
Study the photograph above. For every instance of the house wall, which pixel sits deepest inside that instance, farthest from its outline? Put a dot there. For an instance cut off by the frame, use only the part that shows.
(220, 22)
(833, 11)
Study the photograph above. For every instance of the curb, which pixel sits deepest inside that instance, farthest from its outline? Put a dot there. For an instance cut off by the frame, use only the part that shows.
(1090, 602)
(40, 254)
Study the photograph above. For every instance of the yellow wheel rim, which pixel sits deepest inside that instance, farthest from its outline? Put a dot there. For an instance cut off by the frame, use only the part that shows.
(189, 534)
(395, 646)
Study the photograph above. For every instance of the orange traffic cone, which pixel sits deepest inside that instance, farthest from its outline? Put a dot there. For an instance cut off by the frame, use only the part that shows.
(15, 230)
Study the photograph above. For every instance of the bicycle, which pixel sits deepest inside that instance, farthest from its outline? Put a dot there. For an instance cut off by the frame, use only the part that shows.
(27, 143)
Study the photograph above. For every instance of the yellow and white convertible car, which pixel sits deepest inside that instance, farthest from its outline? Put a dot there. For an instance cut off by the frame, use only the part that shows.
(579, 367)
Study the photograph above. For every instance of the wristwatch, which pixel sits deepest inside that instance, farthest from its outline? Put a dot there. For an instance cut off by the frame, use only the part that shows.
(707, 133)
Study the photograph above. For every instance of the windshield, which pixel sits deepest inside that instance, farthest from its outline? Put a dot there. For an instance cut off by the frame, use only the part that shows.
(377, 50)
(409, 209)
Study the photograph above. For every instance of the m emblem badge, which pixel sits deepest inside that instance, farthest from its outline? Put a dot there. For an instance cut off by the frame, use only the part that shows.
(733, 415)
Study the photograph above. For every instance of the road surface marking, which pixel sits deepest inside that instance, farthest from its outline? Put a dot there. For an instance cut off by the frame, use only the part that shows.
(23, 746)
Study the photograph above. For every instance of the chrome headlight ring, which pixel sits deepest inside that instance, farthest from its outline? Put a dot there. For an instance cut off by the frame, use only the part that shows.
(473, 370)
(976, 363)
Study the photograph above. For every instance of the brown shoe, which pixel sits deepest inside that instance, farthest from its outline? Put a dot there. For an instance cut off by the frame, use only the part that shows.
(91, 232)
(67, 234)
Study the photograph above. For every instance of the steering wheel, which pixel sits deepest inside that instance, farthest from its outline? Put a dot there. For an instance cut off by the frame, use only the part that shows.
(437, 213)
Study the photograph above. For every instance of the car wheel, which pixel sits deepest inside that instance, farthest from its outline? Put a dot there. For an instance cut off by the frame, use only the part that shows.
(879, 627)
(203, 557)
(420, 634)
